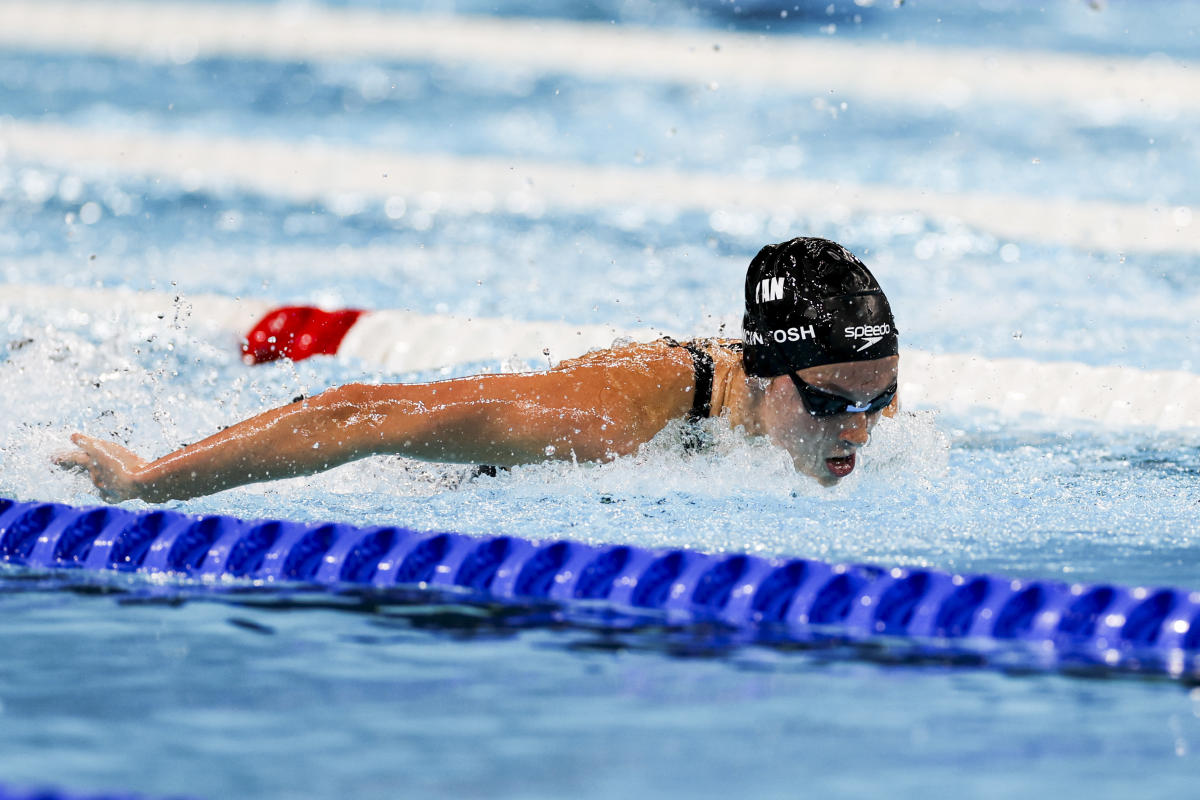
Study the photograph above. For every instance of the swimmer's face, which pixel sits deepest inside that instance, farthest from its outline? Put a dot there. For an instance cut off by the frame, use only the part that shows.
(825, 447)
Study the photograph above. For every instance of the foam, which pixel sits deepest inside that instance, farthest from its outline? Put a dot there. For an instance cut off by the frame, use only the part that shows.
(1112, 396)
(961, 491)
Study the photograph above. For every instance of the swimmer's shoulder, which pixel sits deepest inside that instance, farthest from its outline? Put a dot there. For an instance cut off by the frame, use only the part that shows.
(650, 356)
(660, 355)
(719, 346)
(653, 379)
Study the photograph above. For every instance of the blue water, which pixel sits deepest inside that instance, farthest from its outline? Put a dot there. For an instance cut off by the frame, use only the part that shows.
(107, 685)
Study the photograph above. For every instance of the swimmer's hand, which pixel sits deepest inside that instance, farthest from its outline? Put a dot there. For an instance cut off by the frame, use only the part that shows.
(113, 468)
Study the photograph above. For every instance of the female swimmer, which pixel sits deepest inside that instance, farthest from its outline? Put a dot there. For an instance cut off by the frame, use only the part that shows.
(816, 366)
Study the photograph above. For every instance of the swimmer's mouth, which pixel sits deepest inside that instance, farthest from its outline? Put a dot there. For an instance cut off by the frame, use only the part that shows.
(840, 466)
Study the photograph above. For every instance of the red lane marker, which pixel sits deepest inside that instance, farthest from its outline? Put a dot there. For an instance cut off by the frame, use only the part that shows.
(297, 332)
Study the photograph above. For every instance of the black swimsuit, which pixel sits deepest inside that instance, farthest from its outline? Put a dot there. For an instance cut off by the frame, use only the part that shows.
(702, 369)
(703, 372)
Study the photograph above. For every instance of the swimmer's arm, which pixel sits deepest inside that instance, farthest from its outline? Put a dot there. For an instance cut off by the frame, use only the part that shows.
(496, 419)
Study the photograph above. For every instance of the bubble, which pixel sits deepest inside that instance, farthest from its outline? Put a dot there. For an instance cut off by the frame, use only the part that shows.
(395, 207)
(346, 204)
(374, 85)
(230, 221)
(90, 213)
(183, 49)
(36, 187)
(70, 189)
(925, 248)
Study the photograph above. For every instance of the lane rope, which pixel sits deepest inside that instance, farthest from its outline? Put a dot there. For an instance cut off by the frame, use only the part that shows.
(1153, 630)
(48, 793)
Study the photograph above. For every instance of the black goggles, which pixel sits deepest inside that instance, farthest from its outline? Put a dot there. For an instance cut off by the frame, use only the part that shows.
(820, 403)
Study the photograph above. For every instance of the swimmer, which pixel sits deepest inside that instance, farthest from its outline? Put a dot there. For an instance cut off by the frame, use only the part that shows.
(816, 367)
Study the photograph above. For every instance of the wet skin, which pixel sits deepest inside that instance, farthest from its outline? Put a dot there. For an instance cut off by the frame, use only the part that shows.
(814, 441)
(594, 408)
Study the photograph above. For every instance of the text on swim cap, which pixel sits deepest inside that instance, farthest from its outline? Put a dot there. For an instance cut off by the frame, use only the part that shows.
(870, 333)
(781, 335)
(768, 289)
(867, 331)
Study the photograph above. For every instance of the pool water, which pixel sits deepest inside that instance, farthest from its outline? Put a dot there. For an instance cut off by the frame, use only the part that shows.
(120, 684)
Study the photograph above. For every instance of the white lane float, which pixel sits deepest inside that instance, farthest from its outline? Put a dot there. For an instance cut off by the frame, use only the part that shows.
(1113, 396)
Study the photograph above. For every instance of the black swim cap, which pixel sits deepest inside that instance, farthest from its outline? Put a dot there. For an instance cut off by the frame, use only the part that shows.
(811, 302)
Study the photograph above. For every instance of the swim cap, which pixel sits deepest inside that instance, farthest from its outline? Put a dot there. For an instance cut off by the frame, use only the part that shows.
(811, 302)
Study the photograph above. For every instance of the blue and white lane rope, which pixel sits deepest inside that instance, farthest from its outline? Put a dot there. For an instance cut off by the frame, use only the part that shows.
(1152, 630)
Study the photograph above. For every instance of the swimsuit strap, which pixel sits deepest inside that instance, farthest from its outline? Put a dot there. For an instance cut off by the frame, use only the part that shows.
(702, 367)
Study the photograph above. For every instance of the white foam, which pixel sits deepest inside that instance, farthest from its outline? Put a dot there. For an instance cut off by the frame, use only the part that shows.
(308, 172)
(1000, 501)
(877, 71)
(196, 309)
(404, 341)
(1111, 396)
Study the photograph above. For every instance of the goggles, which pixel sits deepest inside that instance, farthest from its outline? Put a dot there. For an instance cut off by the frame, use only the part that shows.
(820, 403)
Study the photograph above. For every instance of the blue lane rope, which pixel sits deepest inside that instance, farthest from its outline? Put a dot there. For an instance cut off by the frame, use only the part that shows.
(1149, 630)
(13, 793)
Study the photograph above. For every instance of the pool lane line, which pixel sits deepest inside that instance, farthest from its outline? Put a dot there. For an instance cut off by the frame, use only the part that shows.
(1147, 630)
(1107, 88)
(1113, 396)
(46, 793)
(308, 172)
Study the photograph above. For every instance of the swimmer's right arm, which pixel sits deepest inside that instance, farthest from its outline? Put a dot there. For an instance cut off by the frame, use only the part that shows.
(494, 419)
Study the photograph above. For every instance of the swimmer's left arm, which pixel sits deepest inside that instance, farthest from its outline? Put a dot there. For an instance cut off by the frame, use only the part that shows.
(498, 419)
(489, 419)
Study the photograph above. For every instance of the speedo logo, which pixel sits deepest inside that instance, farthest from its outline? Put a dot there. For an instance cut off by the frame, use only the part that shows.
(781, 335)
(871, 333)
(768, 289)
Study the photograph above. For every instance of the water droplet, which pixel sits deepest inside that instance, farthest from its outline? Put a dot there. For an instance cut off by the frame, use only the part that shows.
(90, 213)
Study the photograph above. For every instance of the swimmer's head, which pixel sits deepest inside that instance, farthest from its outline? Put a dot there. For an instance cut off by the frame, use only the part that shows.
(823, 415)
(810, 302)
(819, 331)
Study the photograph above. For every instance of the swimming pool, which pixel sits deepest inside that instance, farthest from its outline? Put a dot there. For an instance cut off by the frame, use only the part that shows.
(305, 694)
